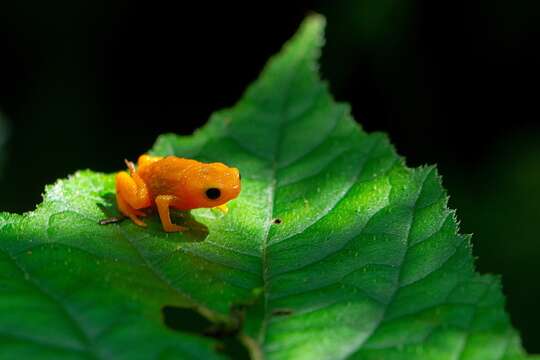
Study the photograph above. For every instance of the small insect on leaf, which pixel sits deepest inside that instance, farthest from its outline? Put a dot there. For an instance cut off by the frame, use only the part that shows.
(112, 220)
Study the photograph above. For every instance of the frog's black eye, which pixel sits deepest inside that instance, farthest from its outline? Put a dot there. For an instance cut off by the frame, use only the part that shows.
(213, 193)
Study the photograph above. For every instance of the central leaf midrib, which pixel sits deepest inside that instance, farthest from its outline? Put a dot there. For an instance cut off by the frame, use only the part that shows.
(271, 194)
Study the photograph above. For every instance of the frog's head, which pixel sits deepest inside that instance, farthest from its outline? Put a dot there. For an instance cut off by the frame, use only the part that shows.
(211, 185)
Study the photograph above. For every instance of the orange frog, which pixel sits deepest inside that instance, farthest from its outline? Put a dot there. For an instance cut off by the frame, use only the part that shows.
(173, 182)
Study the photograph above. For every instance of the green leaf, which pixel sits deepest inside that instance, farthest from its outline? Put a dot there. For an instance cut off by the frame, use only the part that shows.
(334, 248)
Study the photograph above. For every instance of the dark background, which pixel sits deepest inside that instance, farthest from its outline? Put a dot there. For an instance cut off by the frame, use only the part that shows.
(85, 84)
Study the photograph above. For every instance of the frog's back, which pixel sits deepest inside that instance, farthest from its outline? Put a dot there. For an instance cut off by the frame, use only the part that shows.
(165, 176)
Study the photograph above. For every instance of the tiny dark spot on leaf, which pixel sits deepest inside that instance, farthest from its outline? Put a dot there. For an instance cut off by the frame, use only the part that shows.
(277, 221)
(282, 312)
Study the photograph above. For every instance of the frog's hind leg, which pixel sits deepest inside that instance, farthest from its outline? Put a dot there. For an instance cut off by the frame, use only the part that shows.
(132, 195)
(128, 211)
(146, 159)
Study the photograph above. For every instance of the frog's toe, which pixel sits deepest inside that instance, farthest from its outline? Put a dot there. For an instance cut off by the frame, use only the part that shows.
(137, 221)
(223, 208)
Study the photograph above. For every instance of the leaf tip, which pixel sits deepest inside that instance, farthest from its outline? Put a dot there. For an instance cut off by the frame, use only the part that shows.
(314, 22)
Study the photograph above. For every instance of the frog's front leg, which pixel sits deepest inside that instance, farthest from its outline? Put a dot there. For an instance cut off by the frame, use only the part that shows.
(132, 194)
(163, 203)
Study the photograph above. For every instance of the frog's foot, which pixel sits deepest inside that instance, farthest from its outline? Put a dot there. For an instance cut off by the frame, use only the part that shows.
(223, 208)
